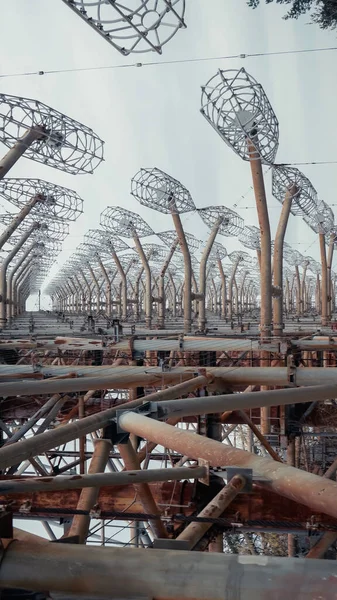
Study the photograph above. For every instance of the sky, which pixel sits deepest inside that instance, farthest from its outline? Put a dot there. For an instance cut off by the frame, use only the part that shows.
(150, 116)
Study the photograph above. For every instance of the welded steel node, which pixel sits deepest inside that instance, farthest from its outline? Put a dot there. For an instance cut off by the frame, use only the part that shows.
(250, 237)
(54, 199)
(102, 240)
(238, 109)
(124, 222)
(157, 190)
(63, 143)
(133, 25)
(304, 202)
(169, 237)
(231, 223)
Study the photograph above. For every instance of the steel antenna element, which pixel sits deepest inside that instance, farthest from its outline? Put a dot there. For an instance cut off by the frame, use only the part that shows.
(157, 255)
(37, 131)
(237, 258)
(129, 224)
(297, 196)
(322, 222)
(218, 253)
(170, 237)
(43, 198)
(236, 106)
(303, 197)
(158, 190)
(220, 220)
(133, 26)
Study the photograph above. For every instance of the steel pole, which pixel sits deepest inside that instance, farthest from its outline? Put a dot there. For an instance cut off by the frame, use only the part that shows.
(187, 271)
(287, 481)
(17, 220)
(162, 304)
(278, 260)
(12, 273)
(148, 279)
(324, 281)
(8, 161)
(3, 271)
(89, 496)
(202, 273)
(122, 274)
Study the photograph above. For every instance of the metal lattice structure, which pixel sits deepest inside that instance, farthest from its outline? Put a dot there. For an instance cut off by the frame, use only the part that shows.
(231, 224)
(169, 237)
(250, 237)
(158, 190)
(54, 200)
(236, 106)
(304, 202)
(61, 142)
(133, 26)
(124, 222)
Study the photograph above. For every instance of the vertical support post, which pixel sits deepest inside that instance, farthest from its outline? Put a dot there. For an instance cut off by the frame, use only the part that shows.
(278, 260)
(88, 497)
(324, 282)
(202, 275)
(187, 272)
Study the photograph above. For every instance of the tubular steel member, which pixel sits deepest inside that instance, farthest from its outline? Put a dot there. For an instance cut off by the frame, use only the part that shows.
(158, 190)
(162, 574)
(287, 481)
(98, 480)
(161, 313)
(131, 462)
(16, 268)
(88, 498)
(45, 135)
(129, 224)
(226, 222)
(195, 531)
(3, 271)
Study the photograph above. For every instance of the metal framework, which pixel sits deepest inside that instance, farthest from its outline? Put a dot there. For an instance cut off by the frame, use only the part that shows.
(133, 26)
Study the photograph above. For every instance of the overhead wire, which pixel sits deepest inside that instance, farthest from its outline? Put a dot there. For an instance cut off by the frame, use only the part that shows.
(241, 56)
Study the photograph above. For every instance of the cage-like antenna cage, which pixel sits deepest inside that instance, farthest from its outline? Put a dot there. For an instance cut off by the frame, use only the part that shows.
(322, 220)
(169, 237)
(231, 223)
(292, 257)
(63, 143)
(132, 26)
(238, 109)
(124, 222)
(238, 255)
(250, 237)
(154, 252)
(304, 202)
(218, 251)
(158, 190)
(314, 266)
(58, 201)
(104, 240)
(49, 228)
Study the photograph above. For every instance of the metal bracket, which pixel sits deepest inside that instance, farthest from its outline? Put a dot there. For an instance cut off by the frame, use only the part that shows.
(246, 473)
(148, 409)
(291, 371)
(204, 463)
(165, 544)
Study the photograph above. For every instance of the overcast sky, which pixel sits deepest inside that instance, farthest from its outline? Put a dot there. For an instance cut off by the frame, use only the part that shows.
(150, 116)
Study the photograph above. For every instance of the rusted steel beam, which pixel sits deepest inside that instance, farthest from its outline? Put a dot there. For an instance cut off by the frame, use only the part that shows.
(260, 507)
(163, 574)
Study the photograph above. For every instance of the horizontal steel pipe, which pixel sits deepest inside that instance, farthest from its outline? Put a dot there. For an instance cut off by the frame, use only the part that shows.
(126, 377)
(227, 402)
(287, 481)
(163, 574)
(45, 484)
